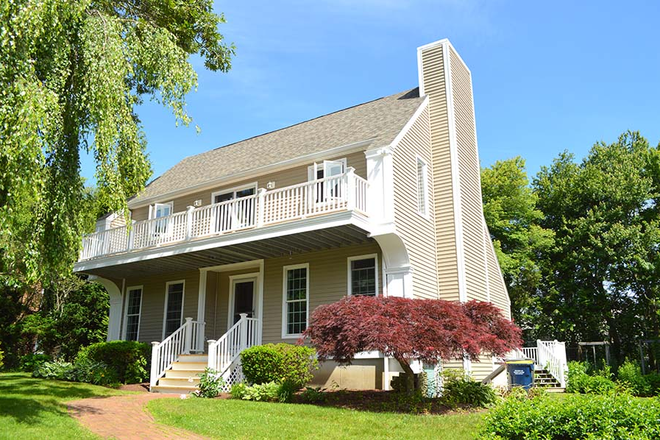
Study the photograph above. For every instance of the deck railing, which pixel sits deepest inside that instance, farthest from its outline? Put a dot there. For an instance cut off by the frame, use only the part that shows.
(225, 351)
(323, 196)
(187, 338)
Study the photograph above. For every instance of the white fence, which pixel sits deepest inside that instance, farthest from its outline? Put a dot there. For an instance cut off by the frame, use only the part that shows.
(323, 196)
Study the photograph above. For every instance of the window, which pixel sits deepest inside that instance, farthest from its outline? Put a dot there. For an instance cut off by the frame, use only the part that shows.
(133, 308)
(422, 187)
(325, 191)
(158, 210)
(363, 275)
(174, 294)
(232, 215)
(296, 295)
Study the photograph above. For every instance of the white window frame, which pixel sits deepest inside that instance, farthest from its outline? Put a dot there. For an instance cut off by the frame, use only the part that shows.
(234, 190)
(125, 329)
(285, 325)
(167, 296)
(425, 181)
(313, 168)
(154, 207)
(349, 260)
(233, 279)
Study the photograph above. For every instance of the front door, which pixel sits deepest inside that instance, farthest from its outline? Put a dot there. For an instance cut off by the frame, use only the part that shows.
(244, 291)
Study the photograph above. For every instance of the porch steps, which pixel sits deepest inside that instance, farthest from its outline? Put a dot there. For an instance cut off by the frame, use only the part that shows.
(183, 377)
(543, 378)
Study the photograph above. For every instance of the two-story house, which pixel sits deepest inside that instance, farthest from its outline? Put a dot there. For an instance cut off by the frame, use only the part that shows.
(237, 246)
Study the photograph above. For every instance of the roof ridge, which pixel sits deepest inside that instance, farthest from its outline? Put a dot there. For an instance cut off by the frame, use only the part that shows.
(402, 93)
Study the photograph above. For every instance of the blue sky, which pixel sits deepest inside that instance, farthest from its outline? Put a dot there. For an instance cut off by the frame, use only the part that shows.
(548, 76)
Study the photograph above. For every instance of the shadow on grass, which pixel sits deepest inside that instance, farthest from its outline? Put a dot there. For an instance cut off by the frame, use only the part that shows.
(18, 384)
(30, 411)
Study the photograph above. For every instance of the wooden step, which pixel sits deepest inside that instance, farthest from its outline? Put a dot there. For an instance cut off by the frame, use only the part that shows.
(170, 389)
(194, 358)
(181, 382)
(190, 366)
(183, 374)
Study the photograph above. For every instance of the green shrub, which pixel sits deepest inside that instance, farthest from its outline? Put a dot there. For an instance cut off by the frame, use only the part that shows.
(654, 383)
(55, 370)
(31, 361)
(313, 395)
(575, 416)
(286, 391)
(2, 357)
(583, 379)
(128, 359)
(238, 390)
(279, 363)
(266, 392)
(96, 373)
(630, 376)
(210, 384)
(460, 389)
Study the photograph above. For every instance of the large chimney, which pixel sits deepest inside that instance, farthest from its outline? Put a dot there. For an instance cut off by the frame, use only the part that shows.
(460, 229)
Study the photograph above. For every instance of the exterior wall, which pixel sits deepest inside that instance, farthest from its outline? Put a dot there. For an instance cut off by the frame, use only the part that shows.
(282, 179)
(469, 180)
(435, 86)
(496, 286)
(153, 301)
(328, 282)
(416, 230)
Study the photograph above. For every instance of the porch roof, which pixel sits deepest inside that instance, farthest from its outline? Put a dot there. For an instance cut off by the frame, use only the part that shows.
(273, 247)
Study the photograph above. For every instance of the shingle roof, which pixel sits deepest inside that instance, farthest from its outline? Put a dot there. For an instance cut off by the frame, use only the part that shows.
(380, 120)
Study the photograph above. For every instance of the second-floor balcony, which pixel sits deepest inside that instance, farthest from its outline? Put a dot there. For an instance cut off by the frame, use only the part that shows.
(310, 199)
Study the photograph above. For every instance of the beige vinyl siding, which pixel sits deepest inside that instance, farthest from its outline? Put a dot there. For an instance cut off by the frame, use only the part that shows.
(481, 369)
(328, 282)
(469, 181)
(441, 169)
(498, 291)
(153, 301)
(291, 176)
(416, 231)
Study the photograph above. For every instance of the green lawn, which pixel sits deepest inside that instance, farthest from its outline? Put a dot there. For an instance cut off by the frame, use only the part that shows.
(35, 408)
(242, 419)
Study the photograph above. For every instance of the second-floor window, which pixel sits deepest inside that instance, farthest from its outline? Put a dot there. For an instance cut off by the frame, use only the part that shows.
(422, 187)
(158, 210)
(326, 190)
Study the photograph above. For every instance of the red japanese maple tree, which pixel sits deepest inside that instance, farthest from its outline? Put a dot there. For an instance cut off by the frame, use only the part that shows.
(410, 329)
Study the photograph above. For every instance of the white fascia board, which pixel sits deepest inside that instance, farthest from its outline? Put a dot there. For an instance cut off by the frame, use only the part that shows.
(252, 235)
(406, 128)
(253, 173)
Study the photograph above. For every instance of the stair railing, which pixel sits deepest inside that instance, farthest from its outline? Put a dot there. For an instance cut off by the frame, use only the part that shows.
(185, 339)
(226, 350)
(552, 356)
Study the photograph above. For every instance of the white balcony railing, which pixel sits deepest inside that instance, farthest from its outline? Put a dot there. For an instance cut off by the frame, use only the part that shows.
(318, 197)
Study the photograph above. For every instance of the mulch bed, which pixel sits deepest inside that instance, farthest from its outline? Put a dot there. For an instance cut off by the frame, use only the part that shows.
(140, 387)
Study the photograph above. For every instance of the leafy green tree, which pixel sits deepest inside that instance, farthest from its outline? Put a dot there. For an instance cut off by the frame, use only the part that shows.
(513, 218)
(71, 76)
(600, 277)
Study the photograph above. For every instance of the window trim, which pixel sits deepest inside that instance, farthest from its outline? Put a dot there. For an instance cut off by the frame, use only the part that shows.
(235, 189)
(425, 180)
(167, 297)
(253, 276)
(285, 326)
(349, 260)
(152, 209)
(314, 167)
(125, 329)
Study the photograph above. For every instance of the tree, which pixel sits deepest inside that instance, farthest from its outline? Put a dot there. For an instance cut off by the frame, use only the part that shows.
(410, 329)
(600, 277)
(513, 219)
(71, 76)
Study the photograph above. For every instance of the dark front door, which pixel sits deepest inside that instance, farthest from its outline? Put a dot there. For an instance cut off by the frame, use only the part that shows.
(243, 299)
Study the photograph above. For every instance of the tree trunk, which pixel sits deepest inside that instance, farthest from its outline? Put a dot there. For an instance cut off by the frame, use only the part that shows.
(410, 375)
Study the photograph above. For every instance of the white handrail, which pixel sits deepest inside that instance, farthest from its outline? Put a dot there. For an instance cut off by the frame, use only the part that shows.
(344, 192)
(551, 357)
(226, 350)
(187, 338)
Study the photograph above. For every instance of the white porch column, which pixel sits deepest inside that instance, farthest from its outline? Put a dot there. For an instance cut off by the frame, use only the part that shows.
(380, 192)
(116, 302)
(397, 271)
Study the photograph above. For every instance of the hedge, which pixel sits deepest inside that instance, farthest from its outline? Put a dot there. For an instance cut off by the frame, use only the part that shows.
(279, 363)
(129, 360)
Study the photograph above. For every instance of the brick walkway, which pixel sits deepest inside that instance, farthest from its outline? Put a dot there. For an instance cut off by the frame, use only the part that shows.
(124, 417)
